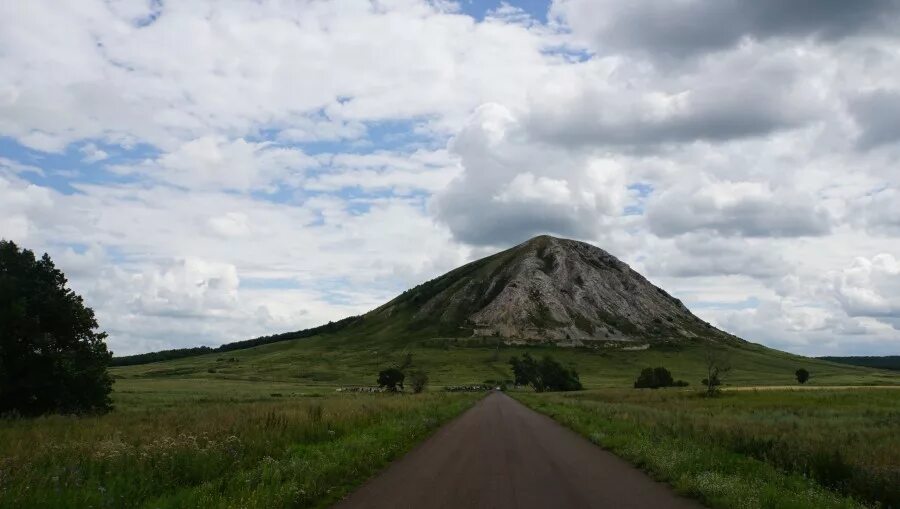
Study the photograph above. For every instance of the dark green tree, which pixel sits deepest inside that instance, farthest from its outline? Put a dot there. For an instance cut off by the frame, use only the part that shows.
(546, 375)
(802, 375)
(52, 358)
(391, 378)
(525, 371)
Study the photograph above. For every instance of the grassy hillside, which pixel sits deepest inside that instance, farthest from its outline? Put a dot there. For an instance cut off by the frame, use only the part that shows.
(354, 358)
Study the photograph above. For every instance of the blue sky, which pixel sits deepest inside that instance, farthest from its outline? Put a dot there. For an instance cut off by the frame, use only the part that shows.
(278, 165)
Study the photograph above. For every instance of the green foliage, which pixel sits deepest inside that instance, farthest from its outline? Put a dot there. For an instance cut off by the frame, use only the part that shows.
(654, 378)
(544, 375)
(391, 378)
(418, 380)
(802, 375)
(805, 449)
(52, 359)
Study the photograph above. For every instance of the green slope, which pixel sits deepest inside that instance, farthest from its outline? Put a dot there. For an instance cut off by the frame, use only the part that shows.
(355, 357)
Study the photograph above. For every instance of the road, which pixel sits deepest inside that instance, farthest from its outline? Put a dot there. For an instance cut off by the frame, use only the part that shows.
(501, 454)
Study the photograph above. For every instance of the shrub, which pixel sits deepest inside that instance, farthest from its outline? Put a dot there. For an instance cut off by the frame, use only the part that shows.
(418, 380)
(802, 375)
(653, 378)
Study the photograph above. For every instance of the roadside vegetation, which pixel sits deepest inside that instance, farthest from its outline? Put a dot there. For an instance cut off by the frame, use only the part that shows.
(235, 446)
(748, 449)
(543, 375)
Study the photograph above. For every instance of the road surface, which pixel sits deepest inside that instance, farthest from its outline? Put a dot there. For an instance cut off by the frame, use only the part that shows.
(501, 454)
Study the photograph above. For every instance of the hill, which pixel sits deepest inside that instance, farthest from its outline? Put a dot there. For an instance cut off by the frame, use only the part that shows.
(547, 295)
(891, 362)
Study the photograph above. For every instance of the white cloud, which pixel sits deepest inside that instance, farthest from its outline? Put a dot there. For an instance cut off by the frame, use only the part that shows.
(742, 164)
(92, 153)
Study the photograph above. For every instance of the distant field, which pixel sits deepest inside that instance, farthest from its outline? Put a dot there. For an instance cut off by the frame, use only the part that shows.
(195, 443)
(764, 449)
(335, 360)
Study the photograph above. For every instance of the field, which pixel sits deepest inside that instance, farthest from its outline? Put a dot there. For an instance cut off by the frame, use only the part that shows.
(348, 359)
(186, 443)
(264, 427)
(749, 449)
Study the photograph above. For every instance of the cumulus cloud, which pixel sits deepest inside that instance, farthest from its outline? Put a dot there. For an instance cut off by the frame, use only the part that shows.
(870, 287)
(208, 171)
(511, 189)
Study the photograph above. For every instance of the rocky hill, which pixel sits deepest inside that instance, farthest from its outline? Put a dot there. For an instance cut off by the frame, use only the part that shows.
(547, 290)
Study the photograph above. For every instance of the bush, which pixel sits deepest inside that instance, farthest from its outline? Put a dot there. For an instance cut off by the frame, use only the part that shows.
(52, 359)
(654, 378)
(546, 375)
(802, 375)
(418, 380)
(391, 379)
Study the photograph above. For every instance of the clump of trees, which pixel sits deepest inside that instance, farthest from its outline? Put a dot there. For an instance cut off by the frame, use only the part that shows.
(544, 375)
(654, 378)
(393, 378)
(802, 375)
(52, 358)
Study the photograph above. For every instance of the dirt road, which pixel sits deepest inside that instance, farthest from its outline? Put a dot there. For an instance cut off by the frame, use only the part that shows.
(500, 454)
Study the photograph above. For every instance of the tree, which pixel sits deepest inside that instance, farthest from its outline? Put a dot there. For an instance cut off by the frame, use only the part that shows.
(555, 377)
(391, 378)
(802, 375)
(52, 359)
(546, 375)
(717, 366)
(653, 378)
(525, 371)
(418, 380)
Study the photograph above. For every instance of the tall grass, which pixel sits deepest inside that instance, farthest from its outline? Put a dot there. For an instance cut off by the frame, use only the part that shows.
(847, 442)
(296, 452)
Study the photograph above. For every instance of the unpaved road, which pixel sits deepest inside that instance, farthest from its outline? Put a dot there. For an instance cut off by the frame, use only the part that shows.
(501, 454)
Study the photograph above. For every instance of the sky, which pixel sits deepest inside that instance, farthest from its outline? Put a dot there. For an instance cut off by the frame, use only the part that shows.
(209, 171)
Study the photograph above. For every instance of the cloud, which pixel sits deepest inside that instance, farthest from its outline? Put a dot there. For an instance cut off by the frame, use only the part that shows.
(878, 115)
(704, 255)
(92, 153)
(750, 209)
(686, 28)
(236, 154)
(870, 287)
(511, 189)
(751, 92)
(216, 162)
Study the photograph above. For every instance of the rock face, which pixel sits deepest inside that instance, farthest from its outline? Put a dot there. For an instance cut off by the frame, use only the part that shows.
(548, 289)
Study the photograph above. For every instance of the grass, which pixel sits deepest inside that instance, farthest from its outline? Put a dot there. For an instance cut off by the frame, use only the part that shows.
(749, 449)
(229, 444)
(353, 359)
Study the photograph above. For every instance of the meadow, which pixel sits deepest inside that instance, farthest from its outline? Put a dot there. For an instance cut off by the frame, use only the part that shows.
(823, 448)
(180, 443)
(350, 359)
